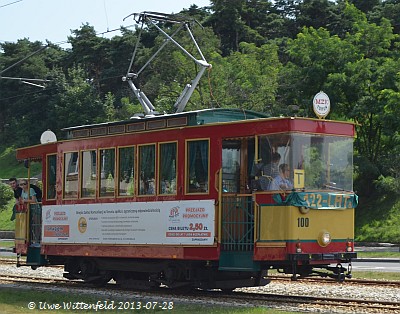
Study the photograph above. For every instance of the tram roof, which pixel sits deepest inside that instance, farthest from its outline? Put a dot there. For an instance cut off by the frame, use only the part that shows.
(156, 122)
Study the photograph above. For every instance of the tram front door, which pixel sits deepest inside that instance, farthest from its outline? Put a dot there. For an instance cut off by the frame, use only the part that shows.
(237, 219)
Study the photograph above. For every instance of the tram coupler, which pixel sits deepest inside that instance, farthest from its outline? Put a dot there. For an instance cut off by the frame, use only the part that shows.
(339, 272)
(349, 269)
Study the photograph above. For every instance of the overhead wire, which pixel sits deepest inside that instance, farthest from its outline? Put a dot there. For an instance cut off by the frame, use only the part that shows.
(49, 89)
(5, 5)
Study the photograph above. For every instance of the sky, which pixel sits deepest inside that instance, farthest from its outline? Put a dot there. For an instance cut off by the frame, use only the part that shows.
(53, 20)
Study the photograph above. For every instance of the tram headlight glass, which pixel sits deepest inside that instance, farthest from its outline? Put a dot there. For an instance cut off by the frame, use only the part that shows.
(324, 238)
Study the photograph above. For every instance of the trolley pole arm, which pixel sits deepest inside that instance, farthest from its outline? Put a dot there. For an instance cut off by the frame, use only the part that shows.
(146, 104)
(183, 99)
(199, 62)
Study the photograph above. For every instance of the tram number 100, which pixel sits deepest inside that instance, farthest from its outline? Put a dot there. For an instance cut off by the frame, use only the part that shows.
(303, 222)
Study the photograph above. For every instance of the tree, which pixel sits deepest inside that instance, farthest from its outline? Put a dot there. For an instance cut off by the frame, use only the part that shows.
(247, 79)
(23, 104)
(78, 102)
(389, 9)
(89, 52)
(313, 56)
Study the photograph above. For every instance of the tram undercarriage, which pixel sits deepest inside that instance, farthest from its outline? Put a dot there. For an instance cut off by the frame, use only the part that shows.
(337, 272)
(135, 274)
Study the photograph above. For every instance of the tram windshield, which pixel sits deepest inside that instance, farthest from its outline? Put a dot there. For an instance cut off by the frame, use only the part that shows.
(310, 162)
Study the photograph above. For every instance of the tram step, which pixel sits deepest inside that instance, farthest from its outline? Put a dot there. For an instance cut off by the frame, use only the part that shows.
(237, 261)
(34, 257)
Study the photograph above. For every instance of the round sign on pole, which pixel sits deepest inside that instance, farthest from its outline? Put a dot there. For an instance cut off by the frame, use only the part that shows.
(321, 105)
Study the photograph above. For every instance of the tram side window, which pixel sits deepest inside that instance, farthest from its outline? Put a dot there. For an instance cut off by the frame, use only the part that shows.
(89, 173)
(71, 167)
(147, 163)
(231, 166)
(167, 160)
(126, 166)
(51, 174)
(198, 166)
(107, 172)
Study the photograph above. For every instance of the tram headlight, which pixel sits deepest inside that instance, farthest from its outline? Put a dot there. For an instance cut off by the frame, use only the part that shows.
(324, 238)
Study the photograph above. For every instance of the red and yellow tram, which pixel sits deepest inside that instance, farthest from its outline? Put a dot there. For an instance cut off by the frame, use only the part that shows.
(190, 199)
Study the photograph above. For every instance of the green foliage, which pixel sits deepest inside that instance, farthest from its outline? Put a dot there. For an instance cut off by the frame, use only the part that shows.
(235, 79)
(5, 215)
(383, 230)
(6, 194)
(388, 185)
(377, 218)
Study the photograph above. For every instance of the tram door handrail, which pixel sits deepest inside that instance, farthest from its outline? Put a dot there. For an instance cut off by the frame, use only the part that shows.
(35, 223)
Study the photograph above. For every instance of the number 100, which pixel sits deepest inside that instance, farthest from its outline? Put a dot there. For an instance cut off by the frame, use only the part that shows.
(303, 222)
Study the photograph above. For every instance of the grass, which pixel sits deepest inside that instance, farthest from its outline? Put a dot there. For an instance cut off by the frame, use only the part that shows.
(11, 167)
(378, 254)
(6, 244)
(374, 275)
(378, 219)
(16, 301)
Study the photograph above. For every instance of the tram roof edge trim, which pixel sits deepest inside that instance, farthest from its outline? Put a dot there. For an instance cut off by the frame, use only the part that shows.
(35, 152)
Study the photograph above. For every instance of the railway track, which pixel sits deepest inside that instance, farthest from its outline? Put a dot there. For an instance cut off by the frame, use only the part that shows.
(395, 283)
(369, 306)
(234, 298)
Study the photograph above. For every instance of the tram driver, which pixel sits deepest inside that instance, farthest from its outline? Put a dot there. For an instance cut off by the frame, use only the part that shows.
(282, 182)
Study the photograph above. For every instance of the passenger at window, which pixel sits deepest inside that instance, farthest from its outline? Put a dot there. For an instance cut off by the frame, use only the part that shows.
(282, 182)
(272, 169)
(28, 194)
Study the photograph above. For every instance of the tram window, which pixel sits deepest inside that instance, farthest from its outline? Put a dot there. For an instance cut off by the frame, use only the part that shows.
(326, 160)
(198, 166)
(89, 174)
(231, 166)
(273, 150)
(107, 172)
(147, 169)
(315, 161)
(126, 166)
(167, 166)
(71, 164)
(51, 166)
(340, 170)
